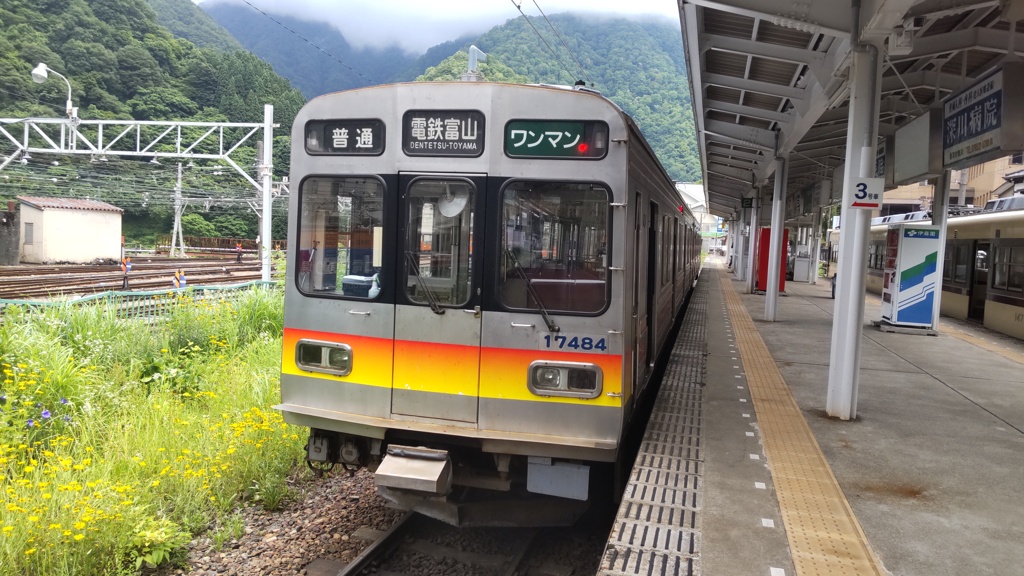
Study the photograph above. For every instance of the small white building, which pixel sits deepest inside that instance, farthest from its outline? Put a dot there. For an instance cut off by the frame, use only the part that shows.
(69, 230)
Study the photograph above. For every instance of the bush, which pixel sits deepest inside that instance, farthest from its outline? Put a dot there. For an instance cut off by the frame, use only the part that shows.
(120, 439)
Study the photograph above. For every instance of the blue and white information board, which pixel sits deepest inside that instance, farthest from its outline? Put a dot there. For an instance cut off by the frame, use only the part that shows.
(912, 275)
(983, 121)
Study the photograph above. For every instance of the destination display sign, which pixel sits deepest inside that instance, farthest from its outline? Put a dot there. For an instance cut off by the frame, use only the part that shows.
(556, 139)
(443, 133)
(346, 137)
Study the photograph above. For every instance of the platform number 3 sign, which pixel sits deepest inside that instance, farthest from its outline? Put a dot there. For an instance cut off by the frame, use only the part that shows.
(867, 193)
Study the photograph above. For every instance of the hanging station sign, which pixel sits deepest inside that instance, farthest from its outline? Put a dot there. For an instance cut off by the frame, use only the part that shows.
(986, 119)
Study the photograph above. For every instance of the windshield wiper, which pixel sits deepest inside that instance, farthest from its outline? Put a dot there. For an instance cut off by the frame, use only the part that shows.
(413, 265)
(552, 327)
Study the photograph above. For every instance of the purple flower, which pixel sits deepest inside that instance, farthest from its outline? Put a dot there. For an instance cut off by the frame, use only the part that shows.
(31, 423)
(67, 418)
(46, 414)
(63, 400)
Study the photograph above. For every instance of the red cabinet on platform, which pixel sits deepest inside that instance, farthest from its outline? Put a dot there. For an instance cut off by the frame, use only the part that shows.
(762, 259)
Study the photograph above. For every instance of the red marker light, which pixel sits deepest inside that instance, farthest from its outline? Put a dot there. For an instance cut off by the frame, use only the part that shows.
(583, 147)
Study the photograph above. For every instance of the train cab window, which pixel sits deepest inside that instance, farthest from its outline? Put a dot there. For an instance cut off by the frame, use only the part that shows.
(554, 247)
(340, 237)
(438, 242)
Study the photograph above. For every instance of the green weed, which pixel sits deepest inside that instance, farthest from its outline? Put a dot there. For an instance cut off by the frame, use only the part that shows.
(120, 440)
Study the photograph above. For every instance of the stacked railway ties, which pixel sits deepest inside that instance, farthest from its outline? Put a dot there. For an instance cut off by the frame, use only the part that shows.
(147, 273)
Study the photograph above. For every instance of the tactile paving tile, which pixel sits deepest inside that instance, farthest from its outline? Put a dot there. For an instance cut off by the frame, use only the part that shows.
(824, 535)
(657, 527)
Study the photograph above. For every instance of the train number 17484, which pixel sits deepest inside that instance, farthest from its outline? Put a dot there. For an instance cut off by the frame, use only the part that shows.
(570, 342)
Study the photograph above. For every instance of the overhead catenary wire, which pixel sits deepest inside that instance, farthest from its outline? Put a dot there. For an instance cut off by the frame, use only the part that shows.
(564, 45)
(108, 182)
(307, 41)
(542, 39)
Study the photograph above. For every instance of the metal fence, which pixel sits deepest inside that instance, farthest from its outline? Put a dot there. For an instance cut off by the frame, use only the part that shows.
(143, 304)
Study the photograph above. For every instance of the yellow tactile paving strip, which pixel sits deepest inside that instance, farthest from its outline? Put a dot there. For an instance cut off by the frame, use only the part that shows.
(824, 535)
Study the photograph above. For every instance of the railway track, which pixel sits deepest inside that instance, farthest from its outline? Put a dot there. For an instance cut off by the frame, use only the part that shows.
(421, 546)
(32, 282)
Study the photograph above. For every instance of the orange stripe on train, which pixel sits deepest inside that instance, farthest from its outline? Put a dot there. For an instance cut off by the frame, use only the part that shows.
(450, 369)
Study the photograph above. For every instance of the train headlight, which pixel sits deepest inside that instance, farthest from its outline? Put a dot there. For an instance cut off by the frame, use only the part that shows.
(327, 357)
(573, 379)
(547, 377)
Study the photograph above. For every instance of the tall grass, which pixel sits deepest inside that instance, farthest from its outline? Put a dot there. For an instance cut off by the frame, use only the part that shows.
(121, 439)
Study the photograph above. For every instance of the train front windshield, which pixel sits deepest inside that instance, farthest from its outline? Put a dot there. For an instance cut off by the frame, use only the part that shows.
(341, 236)
(554, 237)
(438, 240)
(552, 243)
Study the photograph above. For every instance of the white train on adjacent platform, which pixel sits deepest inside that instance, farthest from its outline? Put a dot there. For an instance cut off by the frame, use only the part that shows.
(982, 272)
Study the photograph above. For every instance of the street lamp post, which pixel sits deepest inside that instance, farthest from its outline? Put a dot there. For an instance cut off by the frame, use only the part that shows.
(41, 72)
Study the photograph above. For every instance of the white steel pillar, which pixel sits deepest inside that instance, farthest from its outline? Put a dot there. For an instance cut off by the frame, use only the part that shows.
(744, 246)
(754, 238)
(775, 244)
(267, 173)
(940, 213)
(848, 320)
(730, 252)
(815, 247)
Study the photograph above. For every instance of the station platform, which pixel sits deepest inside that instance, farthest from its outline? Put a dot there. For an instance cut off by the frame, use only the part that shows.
(742, 472)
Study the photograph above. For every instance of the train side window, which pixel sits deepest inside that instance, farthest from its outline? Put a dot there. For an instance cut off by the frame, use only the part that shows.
(947, 262)
(340, 237)
(1008, 268)
(962, 262)
(1015, 273)
(554, 247)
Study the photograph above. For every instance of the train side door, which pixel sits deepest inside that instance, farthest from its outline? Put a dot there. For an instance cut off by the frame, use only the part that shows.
(652, 284)
(979, 286)
(437, 311)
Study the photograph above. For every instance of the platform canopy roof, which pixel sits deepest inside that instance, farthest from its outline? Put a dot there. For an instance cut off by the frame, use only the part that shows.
(771, 77)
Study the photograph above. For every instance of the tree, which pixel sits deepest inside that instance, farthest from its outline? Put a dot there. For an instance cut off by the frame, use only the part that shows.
(138, 69)
(161, 104)
(193, 224)
(453, 67)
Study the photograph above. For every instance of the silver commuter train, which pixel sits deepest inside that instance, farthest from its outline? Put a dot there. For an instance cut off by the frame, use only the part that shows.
(481, 278)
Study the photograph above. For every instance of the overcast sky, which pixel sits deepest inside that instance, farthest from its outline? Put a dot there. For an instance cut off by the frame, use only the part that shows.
(419, 24)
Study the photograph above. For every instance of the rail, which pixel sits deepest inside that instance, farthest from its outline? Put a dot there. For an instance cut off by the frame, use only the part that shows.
(417, 545)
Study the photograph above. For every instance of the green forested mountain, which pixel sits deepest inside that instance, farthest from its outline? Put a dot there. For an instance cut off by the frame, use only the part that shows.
(638, 64)
(122, 64)
(186, 20)
(338, 66)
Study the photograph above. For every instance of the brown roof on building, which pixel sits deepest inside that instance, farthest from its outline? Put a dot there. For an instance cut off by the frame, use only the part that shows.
(43, 203)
